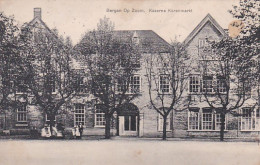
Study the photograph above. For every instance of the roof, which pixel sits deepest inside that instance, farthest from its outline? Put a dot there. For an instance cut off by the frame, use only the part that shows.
(35, 19)
(148, 40)
(207, 19)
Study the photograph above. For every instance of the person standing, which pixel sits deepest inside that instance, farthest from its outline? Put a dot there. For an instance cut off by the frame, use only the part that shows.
(80, 129)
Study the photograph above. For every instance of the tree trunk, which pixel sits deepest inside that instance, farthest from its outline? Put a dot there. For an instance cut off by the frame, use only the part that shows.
(117, 125)
(164, 127)
(107, 127)
(222, 125)
(52, 123)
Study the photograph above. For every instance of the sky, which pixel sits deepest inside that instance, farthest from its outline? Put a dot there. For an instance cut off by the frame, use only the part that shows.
(75, 17)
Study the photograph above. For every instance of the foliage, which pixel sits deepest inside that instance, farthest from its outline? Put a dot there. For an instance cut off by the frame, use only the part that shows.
(167, 80)
(110, 61)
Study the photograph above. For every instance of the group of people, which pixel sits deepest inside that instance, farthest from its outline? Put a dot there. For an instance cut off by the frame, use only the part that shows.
(77, 131)
(58, 131)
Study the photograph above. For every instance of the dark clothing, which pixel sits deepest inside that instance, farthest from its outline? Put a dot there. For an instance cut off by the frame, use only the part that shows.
(80, 130)
(60, 127)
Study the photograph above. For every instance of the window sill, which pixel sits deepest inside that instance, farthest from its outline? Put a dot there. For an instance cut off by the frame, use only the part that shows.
(206, 130)
(168, 93)
(21, 124)
(21, 93)
(99, 126)
(166, 130)
(250, 130)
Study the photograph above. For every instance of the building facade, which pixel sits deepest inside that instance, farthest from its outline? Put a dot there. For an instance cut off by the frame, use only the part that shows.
(138, 118)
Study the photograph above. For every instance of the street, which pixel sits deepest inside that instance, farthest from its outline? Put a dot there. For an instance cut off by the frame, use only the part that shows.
(128, 152)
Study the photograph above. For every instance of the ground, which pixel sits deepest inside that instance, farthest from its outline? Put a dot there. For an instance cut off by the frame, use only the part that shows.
(128, 152)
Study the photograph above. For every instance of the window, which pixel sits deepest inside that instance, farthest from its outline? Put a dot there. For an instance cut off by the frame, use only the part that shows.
(121, 86)
(160, 123)
(257, 119)
(47, 117)
(246, 119)
(194, 84)
(50, 84)
(136, 62)
(244, 87)
(135, 84)
(202, 43)
(207, 119)
(130, 123)
(218, 121)
(164, 84)
(21, 87)
(207, 84)
(100, 120)
(80, 85)
(250, 119)
(21, 113)
(193, 119)
(79, 114)
(221, 85)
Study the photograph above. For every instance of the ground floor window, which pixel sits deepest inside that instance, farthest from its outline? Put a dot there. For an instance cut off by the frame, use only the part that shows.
(160, 123)
(204, 119)
(218, 121)
(193, 119)
(47, 117)
(22, 113)
(250, 119)
(207, 119)
(100, 120)
(79, 114)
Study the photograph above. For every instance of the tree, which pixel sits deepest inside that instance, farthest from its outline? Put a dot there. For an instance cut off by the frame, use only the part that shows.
(167, 80)
(248, 13)
(232, 64)
(48, 72)
(9, 62)
(111, 61)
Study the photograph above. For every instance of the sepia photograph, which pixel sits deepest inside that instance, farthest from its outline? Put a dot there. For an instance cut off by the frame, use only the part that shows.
(132, 82)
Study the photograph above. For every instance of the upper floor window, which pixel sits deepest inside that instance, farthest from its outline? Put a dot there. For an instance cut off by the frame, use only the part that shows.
(122, 86)
(221, 85)
(133, 62)
(135, 83)
(21, 86)
(80, 85)
(194, 84)
(22, 113)
(50, 84)
(203, 43)
(244, 87)
(164, 83)
(207, 84)
(136, 62)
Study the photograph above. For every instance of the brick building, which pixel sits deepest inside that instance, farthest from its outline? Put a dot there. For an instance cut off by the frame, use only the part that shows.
(138, 118)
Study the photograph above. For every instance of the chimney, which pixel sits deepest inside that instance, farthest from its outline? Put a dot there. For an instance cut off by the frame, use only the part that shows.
(38, 13)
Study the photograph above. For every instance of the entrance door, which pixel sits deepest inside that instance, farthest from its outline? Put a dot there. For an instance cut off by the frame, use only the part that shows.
(128, 125)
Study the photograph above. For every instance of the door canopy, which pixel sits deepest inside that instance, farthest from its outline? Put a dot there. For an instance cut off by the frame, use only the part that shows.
(128, 109)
